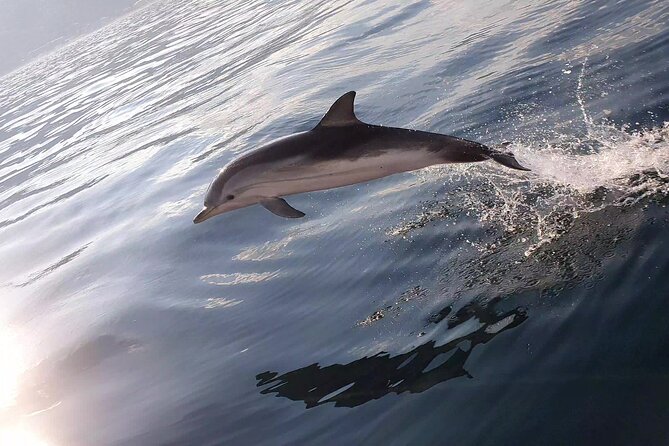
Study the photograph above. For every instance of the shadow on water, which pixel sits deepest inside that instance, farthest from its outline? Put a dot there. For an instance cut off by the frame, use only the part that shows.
(370, 378)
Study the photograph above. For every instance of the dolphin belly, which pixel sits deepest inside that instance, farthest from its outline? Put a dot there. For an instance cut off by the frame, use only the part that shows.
(308, 175)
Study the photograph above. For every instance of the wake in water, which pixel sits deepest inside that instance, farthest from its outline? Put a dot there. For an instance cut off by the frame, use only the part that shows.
(571, 175)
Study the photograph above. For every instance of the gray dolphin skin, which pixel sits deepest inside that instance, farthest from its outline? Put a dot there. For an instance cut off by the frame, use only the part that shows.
(341, 150)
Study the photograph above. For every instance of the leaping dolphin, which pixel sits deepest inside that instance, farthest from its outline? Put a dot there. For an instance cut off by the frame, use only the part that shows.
(341, 150)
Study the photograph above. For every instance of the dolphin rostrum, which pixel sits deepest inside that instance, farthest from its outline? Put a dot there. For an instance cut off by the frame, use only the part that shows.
(341, 150)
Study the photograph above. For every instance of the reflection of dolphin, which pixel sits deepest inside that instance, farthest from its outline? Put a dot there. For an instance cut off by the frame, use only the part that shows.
(339, 151)
(370, 378)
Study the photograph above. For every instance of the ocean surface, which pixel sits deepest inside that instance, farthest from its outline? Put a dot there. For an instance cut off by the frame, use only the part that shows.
(456, 305)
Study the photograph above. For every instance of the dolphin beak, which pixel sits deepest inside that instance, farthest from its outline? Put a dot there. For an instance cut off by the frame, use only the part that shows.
(204, 214)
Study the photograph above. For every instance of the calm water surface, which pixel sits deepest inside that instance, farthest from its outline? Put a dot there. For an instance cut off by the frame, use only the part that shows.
(466, 305)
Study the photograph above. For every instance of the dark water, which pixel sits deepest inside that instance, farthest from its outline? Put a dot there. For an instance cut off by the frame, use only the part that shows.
(467, 305)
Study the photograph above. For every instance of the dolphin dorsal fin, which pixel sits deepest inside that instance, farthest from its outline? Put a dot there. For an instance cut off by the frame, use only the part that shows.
(341, 112)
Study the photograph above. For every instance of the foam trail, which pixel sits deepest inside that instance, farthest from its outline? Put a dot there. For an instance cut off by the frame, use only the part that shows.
(571, 175)
(619, 156)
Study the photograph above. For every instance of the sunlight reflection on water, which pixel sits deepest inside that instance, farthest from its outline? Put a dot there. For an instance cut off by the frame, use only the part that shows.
(12, 366)
(18, 436)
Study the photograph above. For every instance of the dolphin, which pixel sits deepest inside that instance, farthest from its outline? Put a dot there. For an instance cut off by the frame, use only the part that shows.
(341, 150)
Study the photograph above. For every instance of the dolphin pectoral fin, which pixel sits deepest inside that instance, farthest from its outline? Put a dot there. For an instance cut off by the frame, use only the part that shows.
(278, 206)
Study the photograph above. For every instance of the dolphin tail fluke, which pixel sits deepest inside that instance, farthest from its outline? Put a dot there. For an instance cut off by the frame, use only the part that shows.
(506, 159)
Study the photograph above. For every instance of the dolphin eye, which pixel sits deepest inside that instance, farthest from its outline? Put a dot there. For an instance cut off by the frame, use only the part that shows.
(229, 197)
